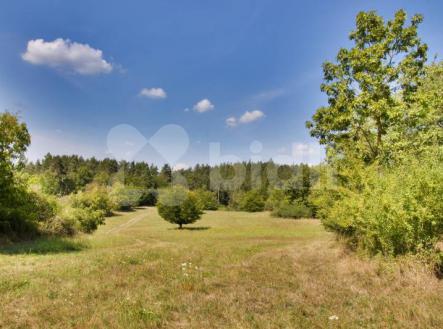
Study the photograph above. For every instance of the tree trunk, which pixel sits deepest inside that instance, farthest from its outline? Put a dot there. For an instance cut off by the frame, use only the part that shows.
(180, 226)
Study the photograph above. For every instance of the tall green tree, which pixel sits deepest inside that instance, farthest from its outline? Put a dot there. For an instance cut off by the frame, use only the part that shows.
(14, 140)
(383, 132)
(370, 87)
(298, 187)
(16, 205)
(165, 175)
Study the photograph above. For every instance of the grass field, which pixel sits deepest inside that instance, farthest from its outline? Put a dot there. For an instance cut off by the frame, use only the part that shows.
(229, 270)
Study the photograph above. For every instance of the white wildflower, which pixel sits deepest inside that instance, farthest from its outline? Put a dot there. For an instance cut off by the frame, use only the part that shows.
(333, 317)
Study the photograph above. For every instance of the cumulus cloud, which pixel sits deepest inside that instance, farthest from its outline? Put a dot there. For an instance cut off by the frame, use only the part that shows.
(247, 117)
(231, 122)
(154, 93)
(66, 55)
(204, 105)
(252, 116)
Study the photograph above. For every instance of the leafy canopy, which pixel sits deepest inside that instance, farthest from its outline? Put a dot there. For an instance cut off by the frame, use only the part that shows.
(371, 85)
(14, 140)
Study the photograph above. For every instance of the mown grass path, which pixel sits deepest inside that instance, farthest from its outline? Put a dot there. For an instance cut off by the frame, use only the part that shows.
(229, 270)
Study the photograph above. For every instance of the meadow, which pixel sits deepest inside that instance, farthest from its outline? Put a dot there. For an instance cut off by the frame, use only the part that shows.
(228, 270)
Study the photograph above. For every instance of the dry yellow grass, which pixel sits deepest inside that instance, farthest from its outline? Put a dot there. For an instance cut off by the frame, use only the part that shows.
(232, 270)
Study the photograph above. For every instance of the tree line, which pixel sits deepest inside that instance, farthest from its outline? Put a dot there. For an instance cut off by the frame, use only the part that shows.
(66, 194)
(227, 184)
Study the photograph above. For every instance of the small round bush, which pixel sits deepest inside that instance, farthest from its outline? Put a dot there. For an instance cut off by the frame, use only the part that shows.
(178, 206)
(88, 219)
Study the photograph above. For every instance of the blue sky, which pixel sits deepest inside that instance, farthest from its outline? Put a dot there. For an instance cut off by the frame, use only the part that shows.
(256, 63)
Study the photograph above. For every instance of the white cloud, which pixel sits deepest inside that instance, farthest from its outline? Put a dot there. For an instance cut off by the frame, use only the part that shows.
(203, 106)
(65, 54)
(231, 122)
(248, 117)
(155, 93)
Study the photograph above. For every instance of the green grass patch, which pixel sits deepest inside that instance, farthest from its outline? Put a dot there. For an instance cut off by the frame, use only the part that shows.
(244, 270)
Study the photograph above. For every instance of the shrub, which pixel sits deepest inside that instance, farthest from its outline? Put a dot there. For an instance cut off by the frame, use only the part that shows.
(396, 211)
(178, 206)
(60, 226)
(148, 198)
(322, 199)
(295, 209)
(276, 196)
(95, 199)
(235, 199)
(84, 213)
(86, 218)
(125, 197)
(207, 200)
(252, 201)
(22, 211)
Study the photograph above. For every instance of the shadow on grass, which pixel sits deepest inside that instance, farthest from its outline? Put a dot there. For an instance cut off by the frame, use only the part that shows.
(127, 210)
(195, 228)
(44, 246)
